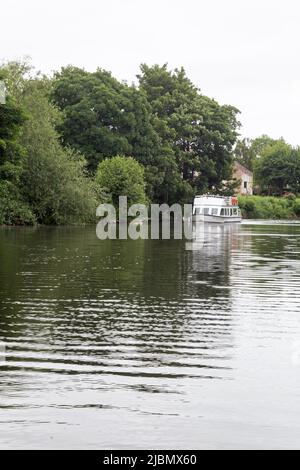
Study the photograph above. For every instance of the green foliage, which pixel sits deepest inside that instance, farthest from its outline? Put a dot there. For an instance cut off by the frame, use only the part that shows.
(248, 152)
(13, 209)
(199, 133)
(262, 143)
(297, 207)
(16, 75)
(276, 164)
(11, 120)
(228, 188)
(245, 154)
(182, 138)
(122, 176)
(48, 178)
(54, 180)
(278, 169)
(103, 117)
(263, 207)
(55, 134)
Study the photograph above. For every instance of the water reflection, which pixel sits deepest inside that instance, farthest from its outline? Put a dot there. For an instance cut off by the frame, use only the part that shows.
(121, 308)
(105, 332)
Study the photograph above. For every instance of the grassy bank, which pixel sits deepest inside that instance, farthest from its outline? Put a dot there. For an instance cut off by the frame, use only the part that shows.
(263, 207)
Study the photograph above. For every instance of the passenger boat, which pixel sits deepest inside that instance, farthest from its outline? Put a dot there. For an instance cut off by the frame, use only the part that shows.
(216, 209)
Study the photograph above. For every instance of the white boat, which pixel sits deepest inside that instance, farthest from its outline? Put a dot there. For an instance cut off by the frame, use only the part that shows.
(216, 209)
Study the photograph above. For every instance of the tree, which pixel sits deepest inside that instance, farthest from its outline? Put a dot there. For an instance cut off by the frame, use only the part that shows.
(12, 117)
(13, 207)
(122, 176)
(262, 143)
(245, 154)
(278, 169)
(54, 133)
(52, 179)
(249, 152)
(175, 132)
(103, 117)
(200, 133)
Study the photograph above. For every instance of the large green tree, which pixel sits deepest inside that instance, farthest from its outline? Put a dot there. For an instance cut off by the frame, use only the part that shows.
(183, 139)
(248, 151)
(51, 179)
(103, 117)
(200, 133)
(278, 169)
(274, 162)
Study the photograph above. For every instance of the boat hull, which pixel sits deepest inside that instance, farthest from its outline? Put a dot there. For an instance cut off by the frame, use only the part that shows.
(216, 219)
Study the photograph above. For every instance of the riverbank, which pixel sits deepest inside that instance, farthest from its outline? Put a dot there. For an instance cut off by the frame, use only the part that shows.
(265, 207)
(252, 207)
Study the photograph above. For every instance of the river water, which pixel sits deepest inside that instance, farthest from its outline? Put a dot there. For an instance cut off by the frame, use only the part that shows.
(142, 344)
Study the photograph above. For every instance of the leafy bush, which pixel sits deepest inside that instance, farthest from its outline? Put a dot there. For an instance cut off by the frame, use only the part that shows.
(58, 190)
(297, 207)
(122, 176)
(13, 210)
(260, 207)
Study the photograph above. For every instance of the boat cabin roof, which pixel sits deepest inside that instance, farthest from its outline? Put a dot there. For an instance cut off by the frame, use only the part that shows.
(215, 201)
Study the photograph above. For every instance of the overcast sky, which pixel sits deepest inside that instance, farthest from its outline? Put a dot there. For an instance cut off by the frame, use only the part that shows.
(240, 52)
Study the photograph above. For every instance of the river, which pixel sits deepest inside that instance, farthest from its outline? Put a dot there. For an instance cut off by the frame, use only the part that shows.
(142, 344)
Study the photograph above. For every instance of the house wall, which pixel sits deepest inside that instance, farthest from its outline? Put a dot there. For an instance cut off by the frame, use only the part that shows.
(246, 177)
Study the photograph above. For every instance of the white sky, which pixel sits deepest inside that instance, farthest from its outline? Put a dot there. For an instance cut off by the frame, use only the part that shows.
(240, 52)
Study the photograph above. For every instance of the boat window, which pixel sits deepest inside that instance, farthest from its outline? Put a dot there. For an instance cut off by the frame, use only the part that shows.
(214, 212)
(235, 212)
(198, 210)
(230, 212)
(206, 210)
(222, 211)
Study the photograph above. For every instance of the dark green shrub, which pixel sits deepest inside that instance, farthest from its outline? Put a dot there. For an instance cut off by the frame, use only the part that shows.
(13, 210)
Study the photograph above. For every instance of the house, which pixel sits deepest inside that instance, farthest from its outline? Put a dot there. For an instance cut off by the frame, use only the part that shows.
(244, 175)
